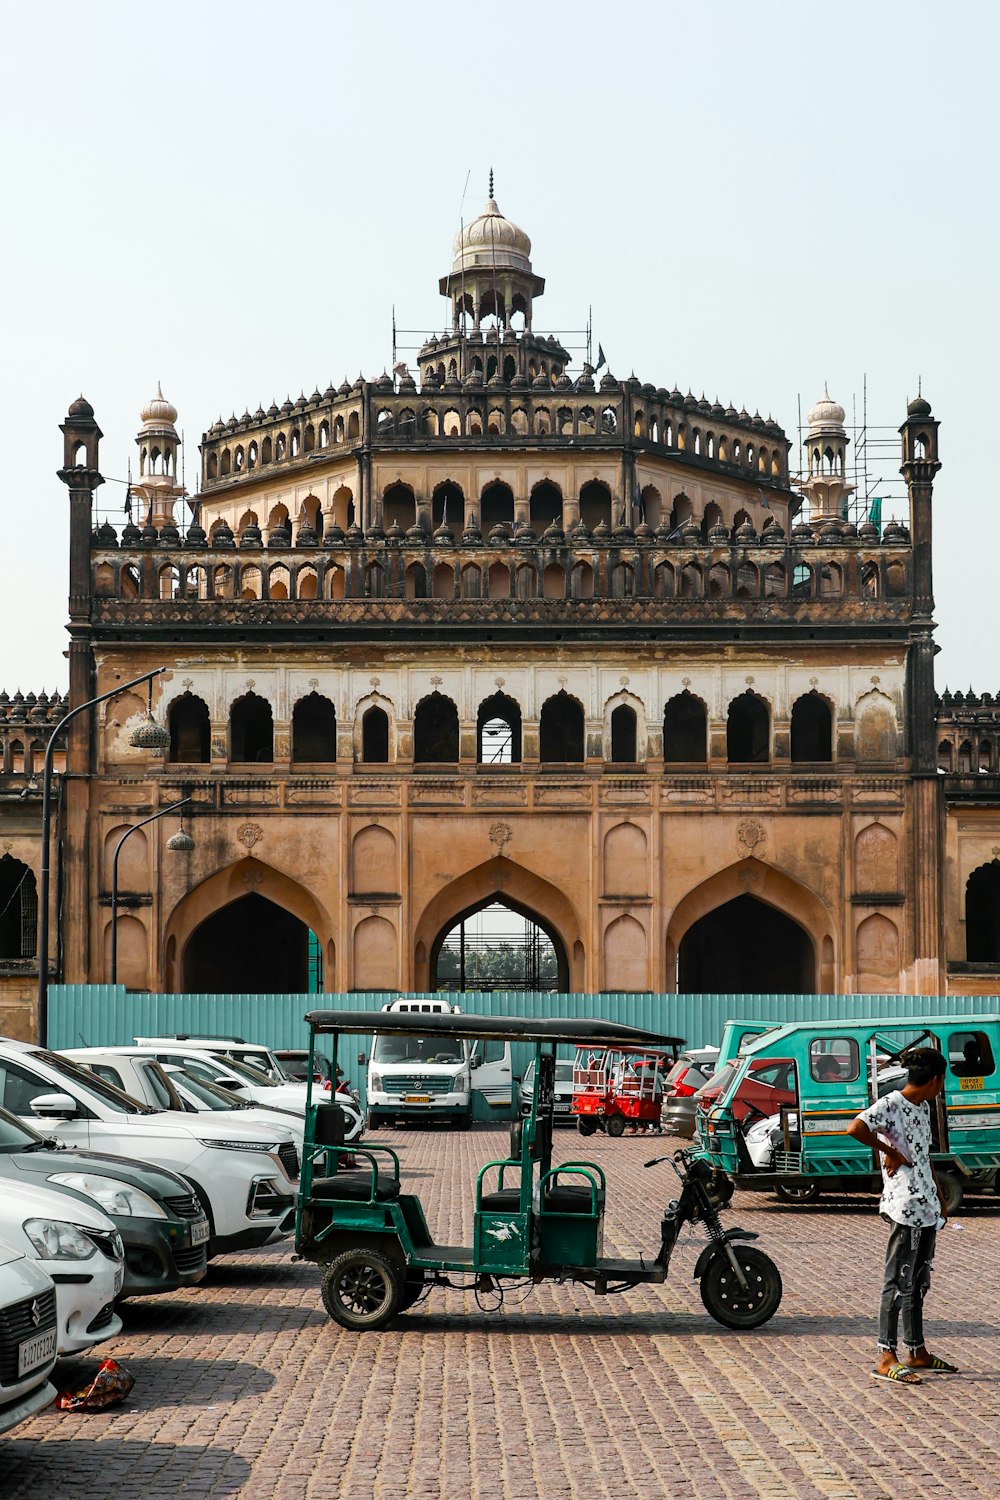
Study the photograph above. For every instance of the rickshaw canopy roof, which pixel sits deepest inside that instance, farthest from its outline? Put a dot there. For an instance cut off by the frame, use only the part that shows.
(587, 1031)
(765, 1043)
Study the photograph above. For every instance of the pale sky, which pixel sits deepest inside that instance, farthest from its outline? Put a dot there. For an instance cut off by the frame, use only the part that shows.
(754, 198)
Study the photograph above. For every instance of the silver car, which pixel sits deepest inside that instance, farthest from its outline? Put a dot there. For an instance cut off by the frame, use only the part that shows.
(563, 1108)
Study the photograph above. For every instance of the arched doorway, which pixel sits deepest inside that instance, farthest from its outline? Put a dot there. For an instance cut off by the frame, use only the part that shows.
(252, 946)
(498, 945)
(746, 946)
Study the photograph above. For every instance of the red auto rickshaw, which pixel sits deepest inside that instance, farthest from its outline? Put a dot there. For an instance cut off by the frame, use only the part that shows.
(616, 1090)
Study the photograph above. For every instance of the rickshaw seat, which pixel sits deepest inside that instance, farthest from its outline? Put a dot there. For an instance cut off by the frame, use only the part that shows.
(503, 1201)
(560, 1199)
(356, 1186)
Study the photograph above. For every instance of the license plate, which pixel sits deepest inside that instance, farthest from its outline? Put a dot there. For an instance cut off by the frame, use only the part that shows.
(35, 1352)
(971, 1085)
(416, 1098)
(119, 1277)
(199, 1232)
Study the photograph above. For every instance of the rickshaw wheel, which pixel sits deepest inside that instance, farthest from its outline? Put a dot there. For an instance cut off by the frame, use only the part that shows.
(797, 1192)
(586, 1124)
(615, 1125)
(726, 1300)
(952, 1191)
(362, 1289)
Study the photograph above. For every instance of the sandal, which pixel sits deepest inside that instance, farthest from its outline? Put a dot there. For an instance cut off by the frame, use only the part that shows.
(897, 1373)
(936, 1367)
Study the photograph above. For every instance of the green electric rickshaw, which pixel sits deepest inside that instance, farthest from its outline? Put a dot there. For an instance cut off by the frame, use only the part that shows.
(533, 1221)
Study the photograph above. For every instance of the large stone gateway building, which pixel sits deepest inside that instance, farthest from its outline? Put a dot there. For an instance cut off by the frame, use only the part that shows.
(501, 633)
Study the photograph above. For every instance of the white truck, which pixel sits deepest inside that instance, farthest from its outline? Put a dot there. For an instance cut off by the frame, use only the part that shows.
(436, 1078)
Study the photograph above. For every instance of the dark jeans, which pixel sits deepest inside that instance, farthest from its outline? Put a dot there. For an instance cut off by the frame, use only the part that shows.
(908, 1258)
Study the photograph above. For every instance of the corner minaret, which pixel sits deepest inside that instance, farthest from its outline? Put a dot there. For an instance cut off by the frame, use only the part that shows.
(825, 486)
(920, 464)
(157, 487)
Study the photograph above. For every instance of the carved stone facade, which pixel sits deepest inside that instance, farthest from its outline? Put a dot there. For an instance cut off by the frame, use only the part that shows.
(720, 766)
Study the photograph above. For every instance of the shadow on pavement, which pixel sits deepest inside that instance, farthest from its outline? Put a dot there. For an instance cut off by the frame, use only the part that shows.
(42, 1468)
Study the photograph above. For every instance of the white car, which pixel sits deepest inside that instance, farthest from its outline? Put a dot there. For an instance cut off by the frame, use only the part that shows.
(77, 1244)
(254, 1054)
(29, 1336)
(248, 1081)
(245, 1176)
(167, 1086)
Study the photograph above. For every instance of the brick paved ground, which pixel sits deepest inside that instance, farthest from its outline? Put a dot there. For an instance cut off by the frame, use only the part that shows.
(245, 1388)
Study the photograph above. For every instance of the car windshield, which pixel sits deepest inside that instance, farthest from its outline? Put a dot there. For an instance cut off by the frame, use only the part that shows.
(564, 1072)
(401, 1047)
(116, 1099)
(211, 1095)
(17, 1137)
(245, 1070)
(721, 1080)
(261, 1062)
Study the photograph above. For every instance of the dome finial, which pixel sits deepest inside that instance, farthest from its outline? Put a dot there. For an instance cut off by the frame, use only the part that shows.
(491, 182)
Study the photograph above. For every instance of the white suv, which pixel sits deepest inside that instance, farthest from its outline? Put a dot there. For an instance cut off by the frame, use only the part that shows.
(28, 1337)
(245, 1176)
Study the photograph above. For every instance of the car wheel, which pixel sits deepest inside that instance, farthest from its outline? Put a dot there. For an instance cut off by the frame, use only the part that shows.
(362, 1289)
(797, 1192)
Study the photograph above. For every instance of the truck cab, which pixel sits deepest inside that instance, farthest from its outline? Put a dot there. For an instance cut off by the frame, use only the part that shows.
(450, 1078)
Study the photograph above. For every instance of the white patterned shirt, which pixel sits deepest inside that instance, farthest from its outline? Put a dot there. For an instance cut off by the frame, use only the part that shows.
(909, 1196)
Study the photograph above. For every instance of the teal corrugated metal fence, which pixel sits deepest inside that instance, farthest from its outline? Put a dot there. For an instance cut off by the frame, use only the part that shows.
(109, 1015)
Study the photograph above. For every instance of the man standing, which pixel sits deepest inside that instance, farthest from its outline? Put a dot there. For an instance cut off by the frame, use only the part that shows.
(899, 1128)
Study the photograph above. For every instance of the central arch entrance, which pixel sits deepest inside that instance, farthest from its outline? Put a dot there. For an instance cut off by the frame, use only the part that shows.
(746, 946)
(498, 945)
(252, 946)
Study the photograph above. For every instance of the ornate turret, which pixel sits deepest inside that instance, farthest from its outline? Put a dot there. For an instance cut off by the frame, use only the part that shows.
(826, 487)
(157, 487)
(491, 271)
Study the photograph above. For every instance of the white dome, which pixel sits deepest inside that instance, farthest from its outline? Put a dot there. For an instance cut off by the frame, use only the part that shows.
(826, 413)
(158, 411)
(490, 237)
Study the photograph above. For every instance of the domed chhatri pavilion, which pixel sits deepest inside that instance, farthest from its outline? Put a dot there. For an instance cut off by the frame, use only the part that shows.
(501, 633)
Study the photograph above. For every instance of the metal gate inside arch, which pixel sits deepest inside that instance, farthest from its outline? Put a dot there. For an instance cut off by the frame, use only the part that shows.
(496, 946)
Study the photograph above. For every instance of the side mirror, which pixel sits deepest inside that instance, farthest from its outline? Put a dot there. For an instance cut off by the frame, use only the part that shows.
(475, 1061)
(56, 1106)
(226, 1081)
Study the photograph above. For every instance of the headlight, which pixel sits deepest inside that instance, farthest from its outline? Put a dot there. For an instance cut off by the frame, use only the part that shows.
(55, 1240)
(116, 1198)
(241, 1145)
(375, 1082)
(458, 1083)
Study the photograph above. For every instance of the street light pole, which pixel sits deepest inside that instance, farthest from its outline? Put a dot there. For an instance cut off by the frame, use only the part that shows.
(43, 884)
(114, 876)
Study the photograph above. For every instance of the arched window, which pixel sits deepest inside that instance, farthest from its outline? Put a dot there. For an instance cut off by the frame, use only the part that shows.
(18, 909)
(496, 506)
(498, 731)
(314, 730)
(946, 756)
(982, 915)
(561, 729)
(623, 734)
(375, 736)
(399, 508)
(595, 505)
(448, 507)
(545, 505)
(416, 581)
(748, 729)
(812, 728)
(251, 729)
(190, 731)
(685, 729)
(435, 730)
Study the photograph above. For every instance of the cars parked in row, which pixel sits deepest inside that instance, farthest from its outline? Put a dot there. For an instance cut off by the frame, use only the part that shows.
(691, 1071)
(29, 1336)
(169, 1086)
(162, 1225)
(244, 1176)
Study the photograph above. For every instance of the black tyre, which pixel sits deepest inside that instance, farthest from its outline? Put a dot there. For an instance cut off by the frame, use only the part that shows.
(362, 1289)
(797, 1192)
(586, 1124)
(728, 1302)
(413, 1288)
(615, 1125)
(951, 1190)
